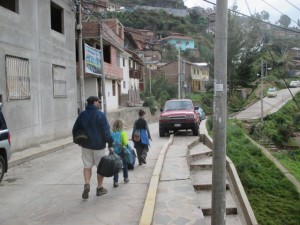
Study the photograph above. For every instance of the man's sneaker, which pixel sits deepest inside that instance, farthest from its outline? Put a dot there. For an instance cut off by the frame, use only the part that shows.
(126, 180)
(86, 190)
(116, 184)
(101, 191)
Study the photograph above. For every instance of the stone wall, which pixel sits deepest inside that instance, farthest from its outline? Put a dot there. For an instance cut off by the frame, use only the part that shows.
(130, 114)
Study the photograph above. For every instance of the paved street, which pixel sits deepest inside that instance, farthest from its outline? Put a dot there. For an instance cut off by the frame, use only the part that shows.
(270, 105)
(48, 190)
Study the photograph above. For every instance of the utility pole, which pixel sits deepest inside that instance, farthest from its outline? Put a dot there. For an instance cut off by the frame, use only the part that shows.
(262, 91)
(102, 68)
(150, 82)
(80, 57)
(182, 77)
(179, 70)
(220, 116)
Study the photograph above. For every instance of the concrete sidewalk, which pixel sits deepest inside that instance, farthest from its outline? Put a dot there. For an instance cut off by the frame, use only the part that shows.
(161, 190)
(38, 151)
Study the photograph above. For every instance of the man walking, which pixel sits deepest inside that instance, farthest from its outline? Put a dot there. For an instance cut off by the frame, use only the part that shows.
(95, 123)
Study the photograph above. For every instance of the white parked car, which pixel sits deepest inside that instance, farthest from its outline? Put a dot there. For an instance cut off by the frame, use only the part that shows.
(295, 83)
(272, 92)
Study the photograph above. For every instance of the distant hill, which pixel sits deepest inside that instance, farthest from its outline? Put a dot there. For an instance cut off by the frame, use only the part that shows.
(176, 4)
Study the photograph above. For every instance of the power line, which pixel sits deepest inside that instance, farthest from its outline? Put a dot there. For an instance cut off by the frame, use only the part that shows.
(283, 28)
(278, 11)
(292, 4)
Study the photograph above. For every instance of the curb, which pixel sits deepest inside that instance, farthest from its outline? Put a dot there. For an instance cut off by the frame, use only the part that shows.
(149, 206)
(39, 151)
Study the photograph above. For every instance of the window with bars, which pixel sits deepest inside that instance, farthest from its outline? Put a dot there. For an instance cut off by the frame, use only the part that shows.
(59, 81)
(17, 76)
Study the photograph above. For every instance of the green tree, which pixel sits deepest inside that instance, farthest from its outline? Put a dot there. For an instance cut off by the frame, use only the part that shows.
(284, 21)
(168, 53)
(235, 45)
(161, 90)
(264, 15)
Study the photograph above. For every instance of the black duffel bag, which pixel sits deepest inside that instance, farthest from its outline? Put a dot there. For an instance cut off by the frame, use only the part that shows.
(109, 165)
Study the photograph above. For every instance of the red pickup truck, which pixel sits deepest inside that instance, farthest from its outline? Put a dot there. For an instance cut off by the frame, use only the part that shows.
(178, 114)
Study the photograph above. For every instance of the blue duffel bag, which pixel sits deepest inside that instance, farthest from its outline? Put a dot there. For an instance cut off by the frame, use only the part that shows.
(132, 155)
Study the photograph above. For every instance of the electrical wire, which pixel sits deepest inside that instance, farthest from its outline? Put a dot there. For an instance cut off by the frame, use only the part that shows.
(292, 5)
(271, 24)
(278, 11)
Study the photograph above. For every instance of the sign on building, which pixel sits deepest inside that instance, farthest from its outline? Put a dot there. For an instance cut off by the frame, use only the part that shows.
(92, 60)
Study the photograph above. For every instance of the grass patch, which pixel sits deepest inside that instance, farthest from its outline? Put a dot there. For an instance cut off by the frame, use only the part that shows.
(291, 161)
(272, 196)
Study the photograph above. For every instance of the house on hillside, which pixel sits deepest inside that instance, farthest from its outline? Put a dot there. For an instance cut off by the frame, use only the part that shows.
(200, 76)
(193, 76)
(144, 39)
(37, 72)
(179, 41)
(136, 78)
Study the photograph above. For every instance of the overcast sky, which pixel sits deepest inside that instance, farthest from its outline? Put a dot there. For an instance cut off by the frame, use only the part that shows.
(274, 7)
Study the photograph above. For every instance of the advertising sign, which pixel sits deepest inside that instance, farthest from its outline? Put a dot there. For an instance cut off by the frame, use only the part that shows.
(92, 60)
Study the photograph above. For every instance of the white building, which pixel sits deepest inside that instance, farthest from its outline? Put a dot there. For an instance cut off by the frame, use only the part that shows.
(37, 70)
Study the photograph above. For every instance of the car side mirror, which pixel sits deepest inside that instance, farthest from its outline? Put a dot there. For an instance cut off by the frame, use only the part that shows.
(161, 109)
(197, 107)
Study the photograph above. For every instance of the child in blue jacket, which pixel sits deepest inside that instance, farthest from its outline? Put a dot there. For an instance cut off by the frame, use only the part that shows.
(120, 143)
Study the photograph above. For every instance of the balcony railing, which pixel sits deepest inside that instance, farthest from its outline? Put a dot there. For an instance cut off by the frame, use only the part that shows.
(136, 74)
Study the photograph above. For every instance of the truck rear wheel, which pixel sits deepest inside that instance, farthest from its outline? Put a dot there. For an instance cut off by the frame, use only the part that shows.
(162, 133)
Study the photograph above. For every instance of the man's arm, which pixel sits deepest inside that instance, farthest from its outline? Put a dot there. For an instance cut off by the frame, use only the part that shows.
(106, 131)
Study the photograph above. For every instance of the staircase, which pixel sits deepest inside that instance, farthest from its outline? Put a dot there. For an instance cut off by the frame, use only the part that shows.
(200, 165)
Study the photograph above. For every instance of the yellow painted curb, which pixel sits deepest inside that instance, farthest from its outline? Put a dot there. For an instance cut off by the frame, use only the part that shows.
(147, 214)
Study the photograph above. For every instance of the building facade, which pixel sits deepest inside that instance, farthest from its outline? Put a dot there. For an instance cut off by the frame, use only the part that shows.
(37, 70)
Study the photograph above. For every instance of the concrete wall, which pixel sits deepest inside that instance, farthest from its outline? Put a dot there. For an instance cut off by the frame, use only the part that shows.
(28, 34)
(130, 114)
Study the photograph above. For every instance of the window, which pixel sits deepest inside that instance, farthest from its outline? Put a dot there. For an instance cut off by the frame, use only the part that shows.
(114, 88)
(106, 53)
(124, 62)
(57, 21)
(12, 5)
(18, 80)
(124, 84)
(59, 82)
(118, 59)
(131, 64)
